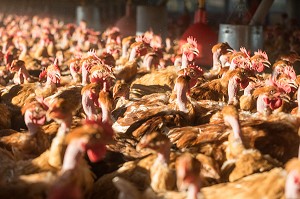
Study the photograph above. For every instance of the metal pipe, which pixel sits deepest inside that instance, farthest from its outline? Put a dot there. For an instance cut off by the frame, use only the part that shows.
(261, 12)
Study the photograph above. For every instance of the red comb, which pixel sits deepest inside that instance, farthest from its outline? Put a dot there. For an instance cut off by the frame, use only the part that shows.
(192, 41)
(261, 53)
(243, 50)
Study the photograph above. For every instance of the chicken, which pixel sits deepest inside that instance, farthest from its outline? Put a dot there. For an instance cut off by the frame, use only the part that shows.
(247, 101)
(151, 61)
(189, 52)
(53, 77)
(136, 171)
(259, 185)
(283, 66)
(121, 92)
(30, 62)
(247, 161)
(39, 50)
(218, 50)
(188, 175)
(90, 95)
(126, 43)
(176, 105)
(167, 77)
(62, 107)
(259, 61)
(226, 87)
(128, 70)
(129, 191)
(15, 97)
(105, 101)
(12, 168)
(239, 59)
(269, 98)
(108, 59)
(148, 108)
(157, 81)
(162, 177)
(21, 74)
(291, 57)
(102, 75)
(34, 142)
(292, 184)
(5, 120)
(86, 62)
(74, 180)
(75, 70)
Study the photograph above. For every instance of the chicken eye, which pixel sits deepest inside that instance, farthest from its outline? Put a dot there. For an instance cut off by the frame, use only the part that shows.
(192, 74)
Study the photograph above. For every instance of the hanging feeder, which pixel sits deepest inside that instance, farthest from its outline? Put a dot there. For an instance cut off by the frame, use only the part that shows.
(245, 33)
(152, 17)
(206, 37)
(127, 23)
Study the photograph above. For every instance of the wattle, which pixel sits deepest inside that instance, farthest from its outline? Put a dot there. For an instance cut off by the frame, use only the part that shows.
(96, 152)
(275, 103)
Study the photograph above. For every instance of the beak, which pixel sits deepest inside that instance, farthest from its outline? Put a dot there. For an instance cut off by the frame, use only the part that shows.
(253, 79)
(285, 97)
(293, 84)
(196, 51)
(266, 63)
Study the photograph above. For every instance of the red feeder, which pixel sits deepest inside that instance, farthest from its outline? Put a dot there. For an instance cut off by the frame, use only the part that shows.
(127, 24)
(205, 36)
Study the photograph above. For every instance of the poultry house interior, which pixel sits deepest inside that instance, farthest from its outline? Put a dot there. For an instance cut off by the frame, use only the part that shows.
(153, 99)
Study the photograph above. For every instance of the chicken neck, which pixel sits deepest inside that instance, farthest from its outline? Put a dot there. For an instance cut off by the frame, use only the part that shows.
(32, 122)
(233, 88)
(73, 154)
(19, 77)
(235, 125)
(163, 154)
(133, 54)
(184, 61)
(261, 106)
(74, 71)
(292, 184)
(150, 60)
(56, 147)
(85, 73)
(88, 105)
(216, 61)
(193, 190)
(248, 90)
(224, 60)
(23, 53)
(105, 103)
(235, 63)
(181, 88)
(125, 50)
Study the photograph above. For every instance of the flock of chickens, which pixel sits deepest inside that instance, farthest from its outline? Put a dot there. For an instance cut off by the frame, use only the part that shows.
(93, 115)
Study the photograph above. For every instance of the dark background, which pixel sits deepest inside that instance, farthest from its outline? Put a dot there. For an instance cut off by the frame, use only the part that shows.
(219, 11)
